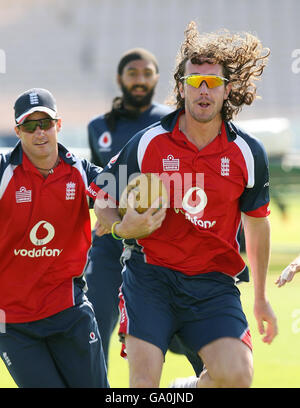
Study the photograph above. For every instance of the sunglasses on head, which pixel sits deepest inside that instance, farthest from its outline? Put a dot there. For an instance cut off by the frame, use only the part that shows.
(30, 126)
(212, 81)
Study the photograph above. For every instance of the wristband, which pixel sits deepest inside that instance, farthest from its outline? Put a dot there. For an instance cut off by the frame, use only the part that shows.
(113, 230)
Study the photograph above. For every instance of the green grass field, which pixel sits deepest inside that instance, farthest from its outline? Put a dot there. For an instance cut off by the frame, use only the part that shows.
(276, 365)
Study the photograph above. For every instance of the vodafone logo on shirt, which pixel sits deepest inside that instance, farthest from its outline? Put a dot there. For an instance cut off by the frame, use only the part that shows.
(39, 239)
(104, 142)
(42, 241)
(193, 207)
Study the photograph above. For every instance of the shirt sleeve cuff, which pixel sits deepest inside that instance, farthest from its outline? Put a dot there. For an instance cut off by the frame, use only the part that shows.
(263, 211)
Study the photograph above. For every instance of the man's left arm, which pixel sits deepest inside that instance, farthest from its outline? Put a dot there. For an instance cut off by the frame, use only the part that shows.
(257, 236)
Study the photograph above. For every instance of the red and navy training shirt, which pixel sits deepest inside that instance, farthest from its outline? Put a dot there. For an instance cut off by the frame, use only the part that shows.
(208, 190)
(44, 236)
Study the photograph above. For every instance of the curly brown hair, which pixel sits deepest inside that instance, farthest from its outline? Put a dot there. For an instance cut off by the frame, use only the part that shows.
(241, 55)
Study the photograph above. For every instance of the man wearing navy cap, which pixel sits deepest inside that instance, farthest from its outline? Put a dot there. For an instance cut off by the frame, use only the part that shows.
(50, 337)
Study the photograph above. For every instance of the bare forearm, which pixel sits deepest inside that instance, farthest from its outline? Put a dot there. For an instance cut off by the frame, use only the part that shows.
(296, 262)
(257, 235)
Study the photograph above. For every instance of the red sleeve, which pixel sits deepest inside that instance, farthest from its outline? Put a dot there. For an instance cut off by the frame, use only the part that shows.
(92, 190)
(263, 211)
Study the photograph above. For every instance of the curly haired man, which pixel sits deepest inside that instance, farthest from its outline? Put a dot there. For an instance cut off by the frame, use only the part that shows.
(181, 278)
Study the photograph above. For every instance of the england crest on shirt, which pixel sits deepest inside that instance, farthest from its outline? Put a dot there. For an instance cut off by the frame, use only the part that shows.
(70, 191)
(225, 161)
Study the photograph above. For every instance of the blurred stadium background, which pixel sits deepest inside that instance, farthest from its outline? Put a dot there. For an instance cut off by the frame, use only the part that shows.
(72, 48)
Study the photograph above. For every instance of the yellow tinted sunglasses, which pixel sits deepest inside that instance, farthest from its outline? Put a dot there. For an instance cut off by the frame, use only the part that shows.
(196, 80)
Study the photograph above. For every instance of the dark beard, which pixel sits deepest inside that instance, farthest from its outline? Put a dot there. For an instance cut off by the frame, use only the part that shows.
(136, 101)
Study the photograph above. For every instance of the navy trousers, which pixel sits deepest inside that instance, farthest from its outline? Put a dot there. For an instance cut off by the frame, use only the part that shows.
(60, 351)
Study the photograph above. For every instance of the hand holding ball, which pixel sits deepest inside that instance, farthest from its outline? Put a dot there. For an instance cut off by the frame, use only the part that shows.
(147, 188)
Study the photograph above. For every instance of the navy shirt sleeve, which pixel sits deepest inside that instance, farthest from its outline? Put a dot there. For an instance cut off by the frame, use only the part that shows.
(92, 139)
(257, 196)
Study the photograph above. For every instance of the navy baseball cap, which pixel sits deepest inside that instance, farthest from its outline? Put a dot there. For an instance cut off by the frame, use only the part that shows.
(33, 100)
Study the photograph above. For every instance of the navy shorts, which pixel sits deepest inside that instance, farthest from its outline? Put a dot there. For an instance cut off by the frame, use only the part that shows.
(156, 302)
(63, 350)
